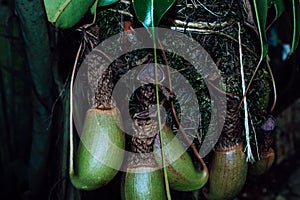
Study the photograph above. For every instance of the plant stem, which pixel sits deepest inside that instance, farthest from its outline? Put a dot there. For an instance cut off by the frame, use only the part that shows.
(152, 30)
(246, 120)
(274, 86)
(71, 164)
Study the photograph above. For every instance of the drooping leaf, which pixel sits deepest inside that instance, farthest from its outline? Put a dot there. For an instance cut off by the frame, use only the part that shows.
(39, 56)
(296, 25)
(150, 12)
(261, 12)
(279, 8)
(102, 3)
(66, 13)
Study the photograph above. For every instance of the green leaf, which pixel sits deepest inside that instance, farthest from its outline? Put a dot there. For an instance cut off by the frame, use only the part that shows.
(279, 8)
(261, 12)
(150, 12)
(106, 2)
(296, 25)
(66, 13)
(102, 3)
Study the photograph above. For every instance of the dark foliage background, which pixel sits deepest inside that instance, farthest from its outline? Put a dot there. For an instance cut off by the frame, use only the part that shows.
(35, 64)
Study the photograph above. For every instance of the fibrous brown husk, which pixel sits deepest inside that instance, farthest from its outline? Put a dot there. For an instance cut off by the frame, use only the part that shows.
(213, 24)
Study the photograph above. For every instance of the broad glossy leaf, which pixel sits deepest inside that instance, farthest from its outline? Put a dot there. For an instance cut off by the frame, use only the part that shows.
(296, 25)
(261, 12)
(66, 13)
(150, 12)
